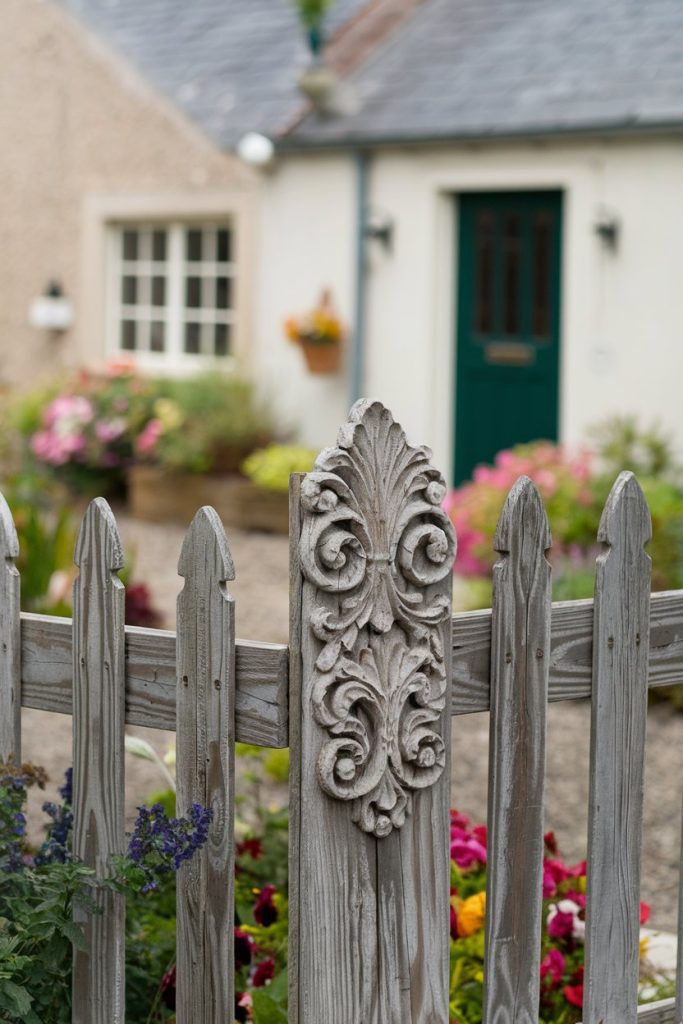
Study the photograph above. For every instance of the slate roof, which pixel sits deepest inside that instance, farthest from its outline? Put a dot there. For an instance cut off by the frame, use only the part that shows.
(482, 68)
(453, 69)
(230, 65)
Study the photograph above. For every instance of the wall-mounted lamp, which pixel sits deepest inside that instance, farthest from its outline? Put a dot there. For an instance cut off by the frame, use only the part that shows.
(380, 227)
(607, 228)
(51, 311)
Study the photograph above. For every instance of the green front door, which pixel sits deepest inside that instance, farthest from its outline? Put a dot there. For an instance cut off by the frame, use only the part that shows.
(507, 367)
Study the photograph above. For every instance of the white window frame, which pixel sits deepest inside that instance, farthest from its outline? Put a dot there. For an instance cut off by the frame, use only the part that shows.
(94, 342)
(174, 314)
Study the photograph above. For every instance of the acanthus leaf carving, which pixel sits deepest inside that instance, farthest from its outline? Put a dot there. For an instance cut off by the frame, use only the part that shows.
(378, 550)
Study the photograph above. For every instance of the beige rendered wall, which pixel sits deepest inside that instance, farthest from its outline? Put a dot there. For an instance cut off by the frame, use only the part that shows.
(622, 311)
(82, 136)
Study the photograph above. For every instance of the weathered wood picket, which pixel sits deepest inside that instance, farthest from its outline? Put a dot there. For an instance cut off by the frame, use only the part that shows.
(363, 695)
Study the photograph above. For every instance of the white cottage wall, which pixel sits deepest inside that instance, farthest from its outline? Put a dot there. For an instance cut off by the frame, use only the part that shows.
(622, 314)
(306, 242)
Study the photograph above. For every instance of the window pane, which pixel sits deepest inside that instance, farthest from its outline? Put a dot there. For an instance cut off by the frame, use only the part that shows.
(483, 295)
(193, 292)
(129, 290)
(194, 244)
(511, 273)
(128, 335)
(223, 293)
(130, 244)
(542, 259)
(222, 340)
(158, 291)
(157, 336)
(192, 339)
(224, 245)
(159, 246)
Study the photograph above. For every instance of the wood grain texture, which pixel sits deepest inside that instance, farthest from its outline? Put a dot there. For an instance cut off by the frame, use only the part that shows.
(519, 687)
(371, 734)
(661, 1012)
(618, 718)
(262, 678)
(10, 639)
(205, 770)
(98, 762)
(571, 651)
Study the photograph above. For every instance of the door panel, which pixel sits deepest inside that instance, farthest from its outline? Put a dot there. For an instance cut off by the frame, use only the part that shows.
(509, 249)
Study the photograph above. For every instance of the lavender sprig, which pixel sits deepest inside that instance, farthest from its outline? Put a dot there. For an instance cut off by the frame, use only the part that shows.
(160, 844)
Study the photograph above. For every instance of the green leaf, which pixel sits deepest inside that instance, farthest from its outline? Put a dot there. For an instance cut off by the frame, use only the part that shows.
(74, 933)
(18, 995)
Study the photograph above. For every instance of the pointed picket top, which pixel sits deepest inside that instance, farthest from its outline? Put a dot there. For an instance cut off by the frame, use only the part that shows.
(626, 505)
(99, 521)
(9, 542)
(206, 535)
(523, 529)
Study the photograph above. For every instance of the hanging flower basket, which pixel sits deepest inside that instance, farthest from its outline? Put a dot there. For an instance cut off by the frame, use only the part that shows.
(321, 358)
(320, 334)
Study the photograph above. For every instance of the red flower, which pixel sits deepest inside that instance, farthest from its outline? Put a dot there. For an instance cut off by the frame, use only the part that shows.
(574, 993)
(243, 948)
(168, 988)
(265, 911)
(250, 847)
(550, 843)
(644, 912)
(263, 972)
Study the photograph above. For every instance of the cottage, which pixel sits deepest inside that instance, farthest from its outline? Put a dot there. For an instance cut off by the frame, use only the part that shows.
(491, 192)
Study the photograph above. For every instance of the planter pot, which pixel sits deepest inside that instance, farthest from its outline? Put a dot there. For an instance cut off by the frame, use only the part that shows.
(158, 495)
(321, 358)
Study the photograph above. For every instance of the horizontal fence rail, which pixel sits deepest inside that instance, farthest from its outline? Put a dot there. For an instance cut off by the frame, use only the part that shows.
(262, 669)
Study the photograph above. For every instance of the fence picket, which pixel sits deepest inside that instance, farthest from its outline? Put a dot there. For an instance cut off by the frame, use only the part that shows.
(520, 647)
(618, 718)
(10, 639)
(205, 772)
(98, 740)
(371, 736)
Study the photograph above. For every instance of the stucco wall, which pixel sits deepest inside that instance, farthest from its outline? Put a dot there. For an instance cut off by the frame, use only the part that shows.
(77, 123)
(622, 311)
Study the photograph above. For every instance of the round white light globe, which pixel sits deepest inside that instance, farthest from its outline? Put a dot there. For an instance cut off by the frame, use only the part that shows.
(255, 149)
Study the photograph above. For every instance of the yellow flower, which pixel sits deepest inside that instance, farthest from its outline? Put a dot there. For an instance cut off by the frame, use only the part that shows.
(168, 413)
(471, 914)
(644, 942)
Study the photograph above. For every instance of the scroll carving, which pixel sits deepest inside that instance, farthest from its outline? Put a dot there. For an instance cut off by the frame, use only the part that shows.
(378, 550)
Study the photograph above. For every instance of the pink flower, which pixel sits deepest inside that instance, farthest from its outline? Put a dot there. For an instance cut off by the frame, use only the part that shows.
(146, 441)
(466, 851)
(552, 967)
(644, 912)
(109, 430)
(554, 872)
(564, 920)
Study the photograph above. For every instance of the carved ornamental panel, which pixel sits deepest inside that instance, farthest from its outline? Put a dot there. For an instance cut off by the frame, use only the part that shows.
(378, 549)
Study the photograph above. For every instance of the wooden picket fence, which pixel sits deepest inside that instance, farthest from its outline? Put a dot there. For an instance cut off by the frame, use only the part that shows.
(363, 696)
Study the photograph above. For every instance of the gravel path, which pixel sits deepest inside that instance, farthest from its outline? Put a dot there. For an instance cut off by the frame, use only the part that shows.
(260, 591)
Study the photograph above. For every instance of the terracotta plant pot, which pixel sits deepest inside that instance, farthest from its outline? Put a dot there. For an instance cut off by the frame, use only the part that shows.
(321, 358)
